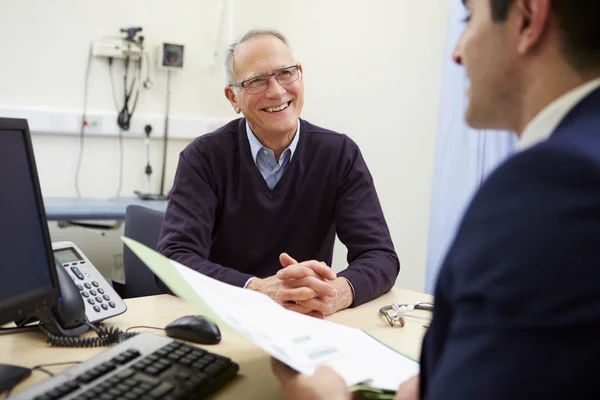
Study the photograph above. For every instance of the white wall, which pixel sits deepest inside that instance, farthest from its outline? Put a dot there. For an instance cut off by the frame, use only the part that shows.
(372, 70)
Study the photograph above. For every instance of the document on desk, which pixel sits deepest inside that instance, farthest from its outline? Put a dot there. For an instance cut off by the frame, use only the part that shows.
(302, 342)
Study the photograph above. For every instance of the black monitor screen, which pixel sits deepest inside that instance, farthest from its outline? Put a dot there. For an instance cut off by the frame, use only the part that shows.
(24, 240)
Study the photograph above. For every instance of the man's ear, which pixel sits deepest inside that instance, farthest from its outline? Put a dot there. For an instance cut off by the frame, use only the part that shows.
(232, 99)
(301, 71)
(533, 17)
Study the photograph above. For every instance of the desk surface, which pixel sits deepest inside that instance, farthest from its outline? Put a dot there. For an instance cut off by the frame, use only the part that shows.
(86, 208)
(255, 379)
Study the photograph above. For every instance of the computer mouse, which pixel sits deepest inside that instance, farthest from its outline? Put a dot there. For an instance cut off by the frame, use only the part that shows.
(194, 328)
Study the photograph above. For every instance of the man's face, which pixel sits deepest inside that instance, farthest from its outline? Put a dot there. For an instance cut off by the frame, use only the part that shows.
(484, 50)
(264, 55)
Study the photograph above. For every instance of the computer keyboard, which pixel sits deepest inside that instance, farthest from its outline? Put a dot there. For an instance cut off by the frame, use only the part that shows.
(143, 367)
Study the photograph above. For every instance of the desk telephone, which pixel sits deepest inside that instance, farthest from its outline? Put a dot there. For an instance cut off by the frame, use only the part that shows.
(86, 297)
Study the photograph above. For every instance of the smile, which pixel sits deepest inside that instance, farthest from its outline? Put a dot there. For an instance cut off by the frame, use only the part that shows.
(278, 108)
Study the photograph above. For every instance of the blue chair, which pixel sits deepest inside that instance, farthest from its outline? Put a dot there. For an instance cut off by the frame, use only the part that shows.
(143, 225)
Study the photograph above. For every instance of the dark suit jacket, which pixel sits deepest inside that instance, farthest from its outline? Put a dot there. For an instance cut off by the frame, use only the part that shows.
(517, 302)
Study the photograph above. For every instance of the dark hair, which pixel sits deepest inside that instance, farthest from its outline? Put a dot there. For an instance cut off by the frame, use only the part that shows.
(580, 25)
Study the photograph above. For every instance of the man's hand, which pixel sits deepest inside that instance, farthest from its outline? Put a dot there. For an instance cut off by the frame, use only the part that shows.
(309, 285)
(409, 390)
(324, 384)
(308, 274)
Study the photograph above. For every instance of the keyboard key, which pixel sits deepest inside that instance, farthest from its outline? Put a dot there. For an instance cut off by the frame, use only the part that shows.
(162, 390)
(152, 371)
(125, 374)
(114, 380)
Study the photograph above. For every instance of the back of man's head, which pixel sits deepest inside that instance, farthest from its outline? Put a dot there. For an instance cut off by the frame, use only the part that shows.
(579, 23)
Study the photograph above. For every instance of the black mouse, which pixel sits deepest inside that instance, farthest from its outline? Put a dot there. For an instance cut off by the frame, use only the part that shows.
(194, 328)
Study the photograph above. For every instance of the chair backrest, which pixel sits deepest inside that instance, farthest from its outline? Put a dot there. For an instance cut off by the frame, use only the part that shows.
(143, 225)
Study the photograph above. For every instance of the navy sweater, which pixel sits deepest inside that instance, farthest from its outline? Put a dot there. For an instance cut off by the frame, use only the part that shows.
(223, 220)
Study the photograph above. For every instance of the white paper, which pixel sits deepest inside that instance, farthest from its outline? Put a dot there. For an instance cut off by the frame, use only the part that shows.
(304, 343)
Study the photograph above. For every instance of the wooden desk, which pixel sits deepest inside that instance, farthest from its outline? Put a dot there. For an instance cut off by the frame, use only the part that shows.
(255, 379)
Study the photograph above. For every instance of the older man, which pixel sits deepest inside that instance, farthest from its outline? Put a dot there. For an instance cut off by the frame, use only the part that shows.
(271, 190)
(517, 302)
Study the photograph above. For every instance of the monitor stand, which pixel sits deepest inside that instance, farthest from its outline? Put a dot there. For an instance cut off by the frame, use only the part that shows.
(10, 375)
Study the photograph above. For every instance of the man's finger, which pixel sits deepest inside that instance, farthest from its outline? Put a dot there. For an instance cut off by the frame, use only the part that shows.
(326, 307)
(316, 314)
(286, 260)
(307, 268)
(296, 294)
(297, 308)
(323, 289)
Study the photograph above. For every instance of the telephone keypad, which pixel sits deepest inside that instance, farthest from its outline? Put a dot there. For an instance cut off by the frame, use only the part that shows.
(105, 297)
(87, 285)
(111, 304)
(99, 299)
(100, 290)
(96, 308)
(91, 301)
(95, 284)
(104, 307)
(85, 294)
(93, 292)
(80, 287)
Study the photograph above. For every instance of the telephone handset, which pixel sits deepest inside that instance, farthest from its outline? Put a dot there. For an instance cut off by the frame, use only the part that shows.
(85, 296)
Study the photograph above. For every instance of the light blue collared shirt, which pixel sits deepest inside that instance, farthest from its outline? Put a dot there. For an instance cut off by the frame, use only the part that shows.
(264, 158)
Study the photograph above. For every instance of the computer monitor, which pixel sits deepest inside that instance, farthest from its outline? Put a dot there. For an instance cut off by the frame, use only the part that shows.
(28, 283)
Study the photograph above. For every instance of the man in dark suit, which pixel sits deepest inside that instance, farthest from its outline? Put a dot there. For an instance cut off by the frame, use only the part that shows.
(517, 302)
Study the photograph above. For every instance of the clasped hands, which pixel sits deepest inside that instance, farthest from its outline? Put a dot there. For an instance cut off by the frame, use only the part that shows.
(308, 287)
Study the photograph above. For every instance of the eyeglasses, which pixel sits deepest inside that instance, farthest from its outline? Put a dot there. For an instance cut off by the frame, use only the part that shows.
(258, 84)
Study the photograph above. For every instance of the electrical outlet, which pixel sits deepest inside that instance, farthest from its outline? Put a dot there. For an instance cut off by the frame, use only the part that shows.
(93, 124)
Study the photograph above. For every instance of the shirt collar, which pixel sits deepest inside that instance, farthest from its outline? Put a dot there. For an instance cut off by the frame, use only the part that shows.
(542, 126)
(256, 145)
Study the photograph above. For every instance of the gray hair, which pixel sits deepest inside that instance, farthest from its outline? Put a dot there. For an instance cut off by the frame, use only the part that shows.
(228, 61)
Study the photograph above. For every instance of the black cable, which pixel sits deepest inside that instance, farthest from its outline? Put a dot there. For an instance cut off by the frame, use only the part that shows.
(120, 186)
(144, 327)
(112, 84)
(83, 119)
(38, 367)
(124, 117)
(166, 135)
(18, 329)
(120, 136)
(107, 335)
(41, 368)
